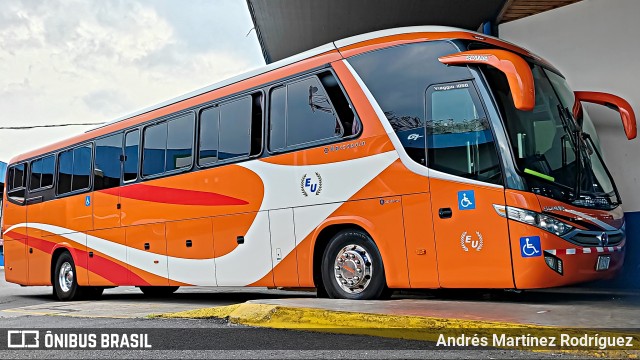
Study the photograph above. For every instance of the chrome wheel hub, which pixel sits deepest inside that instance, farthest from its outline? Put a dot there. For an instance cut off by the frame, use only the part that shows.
(353, 269)
(65, 279)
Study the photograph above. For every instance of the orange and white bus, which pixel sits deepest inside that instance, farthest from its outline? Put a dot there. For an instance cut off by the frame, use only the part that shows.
(422, 157)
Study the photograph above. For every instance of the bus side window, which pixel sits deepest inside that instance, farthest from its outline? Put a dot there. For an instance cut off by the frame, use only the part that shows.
(235, 127)
(459, 137)
(81, 168)
(308, 112)
(107, 167)
(131, 149)
(42, 171)
(17, 183)
(209, 130)
(231, 130)
(65, 171)
(74, 169)
(180, 142)
(397, 77)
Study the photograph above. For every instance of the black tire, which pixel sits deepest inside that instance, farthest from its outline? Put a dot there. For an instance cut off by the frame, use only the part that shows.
(366, 261)
(158, 291)
(65, 289)
(321, 292)
(91, 292)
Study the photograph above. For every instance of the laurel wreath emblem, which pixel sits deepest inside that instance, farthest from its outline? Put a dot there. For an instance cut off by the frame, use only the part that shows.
(319, 183)
(480, 241)
(304, 192)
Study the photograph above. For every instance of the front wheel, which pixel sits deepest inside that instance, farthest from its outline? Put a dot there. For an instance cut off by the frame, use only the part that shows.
(65, 285)
(352, 267)
(158, 291)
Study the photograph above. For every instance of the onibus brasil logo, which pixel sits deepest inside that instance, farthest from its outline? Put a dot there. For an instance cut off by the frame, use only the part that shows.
(311, 184)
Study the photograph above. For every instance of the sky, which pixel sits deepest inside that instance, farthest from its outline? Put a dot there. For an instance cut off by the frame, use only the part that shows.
(91, 61)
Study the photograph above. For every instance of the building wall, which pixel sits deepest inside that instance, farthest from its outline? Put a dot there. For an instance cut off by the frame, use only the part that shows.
(594, 43)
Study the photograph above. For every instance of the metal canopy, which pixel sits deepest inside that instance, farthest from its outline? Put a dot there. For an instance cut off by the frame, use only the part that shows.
(288, 27)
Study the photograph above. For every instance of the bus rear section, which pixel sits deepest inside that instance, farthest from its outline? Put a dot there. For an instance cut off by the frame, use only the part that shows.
(389, 164)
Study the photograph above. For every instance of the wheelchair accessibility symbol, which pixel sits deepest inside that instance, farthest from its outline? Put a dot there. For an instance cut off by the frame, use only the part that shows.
(466, 200)
(530, 246)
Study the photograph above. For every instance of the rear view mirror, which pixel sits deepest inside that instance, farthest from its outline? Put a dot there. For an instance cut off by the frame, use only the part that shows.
(513, 66)
(612, 102)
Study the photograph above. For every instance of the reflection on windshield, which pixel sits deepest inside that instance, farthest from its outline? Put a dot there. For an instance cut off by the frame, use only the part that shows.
(546, 141)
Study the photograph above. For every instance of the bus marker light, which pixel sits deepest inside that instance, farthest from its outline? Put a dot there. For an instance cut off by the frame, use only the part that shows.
(554, 263)
(603, 262)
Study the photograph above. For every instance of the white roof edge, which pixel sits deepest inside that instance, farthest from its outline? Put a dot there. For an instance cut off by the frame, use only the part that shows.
(412, 29)
(249, 74)
(396, 31)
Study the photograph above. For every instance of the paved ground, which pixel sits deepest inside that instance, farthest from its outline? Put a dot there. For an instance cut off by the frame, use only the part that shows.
(121, 308)
(574, 307)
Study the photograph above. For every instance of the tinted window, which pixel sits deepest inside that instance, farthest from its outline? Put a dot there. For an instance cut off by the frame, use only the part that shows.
(42, 173)
(180, 143)
(107, 169)
(235, 126)
(155, 142)
(132, 142)
(459, 137)
(278, 112)
(398, 77)
(74, 169)
(209, 122)
(16, 177)
(310, 116)
(48, 171)
(81, 168)
(65, 171)
(16, 186)
(36, 174)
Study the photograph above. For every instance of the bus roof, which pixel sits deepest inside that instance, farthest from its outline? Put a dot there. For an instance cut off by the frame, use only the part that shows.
(345, 47)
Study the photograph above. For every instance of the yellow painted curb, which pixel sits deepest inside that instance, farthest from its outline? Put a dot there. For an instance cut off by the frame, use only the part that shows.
(391, 326)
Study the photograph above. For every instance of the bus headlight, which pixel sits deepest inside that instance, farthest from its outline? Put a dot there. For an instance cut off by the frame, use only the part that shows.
(541, 221)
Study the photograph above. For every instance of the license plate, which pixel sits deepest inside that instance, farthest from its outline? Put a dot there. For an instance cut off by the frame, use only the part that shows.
(603, 262)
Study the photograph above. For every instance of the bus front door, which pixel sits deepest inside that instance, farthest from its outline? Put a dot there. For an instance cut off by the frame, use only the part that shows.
(472, 240)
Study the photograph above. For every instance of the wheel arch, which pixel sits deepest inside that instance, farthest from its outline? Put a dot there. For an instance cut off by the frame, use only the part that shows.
(58, 250)
(327, 230)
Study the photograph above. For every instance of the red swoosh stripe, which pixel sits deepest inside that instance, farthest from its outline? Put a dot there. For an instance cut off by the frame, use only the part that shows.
(102, 266)
(174, 196)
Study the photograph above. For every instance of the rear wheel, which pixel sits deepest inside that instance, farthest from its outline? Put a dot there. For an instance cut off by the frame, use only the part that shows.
(352, 267)
(65, 285)
(158, 291)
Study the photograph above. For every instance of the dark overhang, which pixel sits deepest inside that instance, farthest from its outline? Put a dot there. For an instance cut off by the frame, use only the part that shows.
(288, 27)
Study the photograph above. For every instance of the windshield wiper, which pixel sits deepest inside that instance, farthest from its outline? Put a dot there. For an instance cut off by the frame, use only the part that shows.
(565, 117)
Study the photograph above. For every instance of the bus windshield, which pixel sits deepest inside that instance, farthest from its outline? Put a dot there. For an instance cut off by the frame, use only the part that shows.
(556, 157)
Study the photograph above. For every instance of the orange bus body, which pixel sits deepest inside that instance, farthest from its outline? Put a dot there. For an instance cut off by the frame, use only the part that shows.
(252, 223)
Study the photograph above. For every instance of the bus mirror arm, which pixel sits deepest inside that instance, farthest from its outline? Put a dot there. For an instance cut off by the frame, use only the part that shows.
(516, 69)
(613, 102)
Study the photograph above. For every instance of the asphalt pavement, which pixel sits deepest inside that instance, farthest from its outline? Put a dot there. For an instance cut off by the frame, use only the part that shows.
(127, 308)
